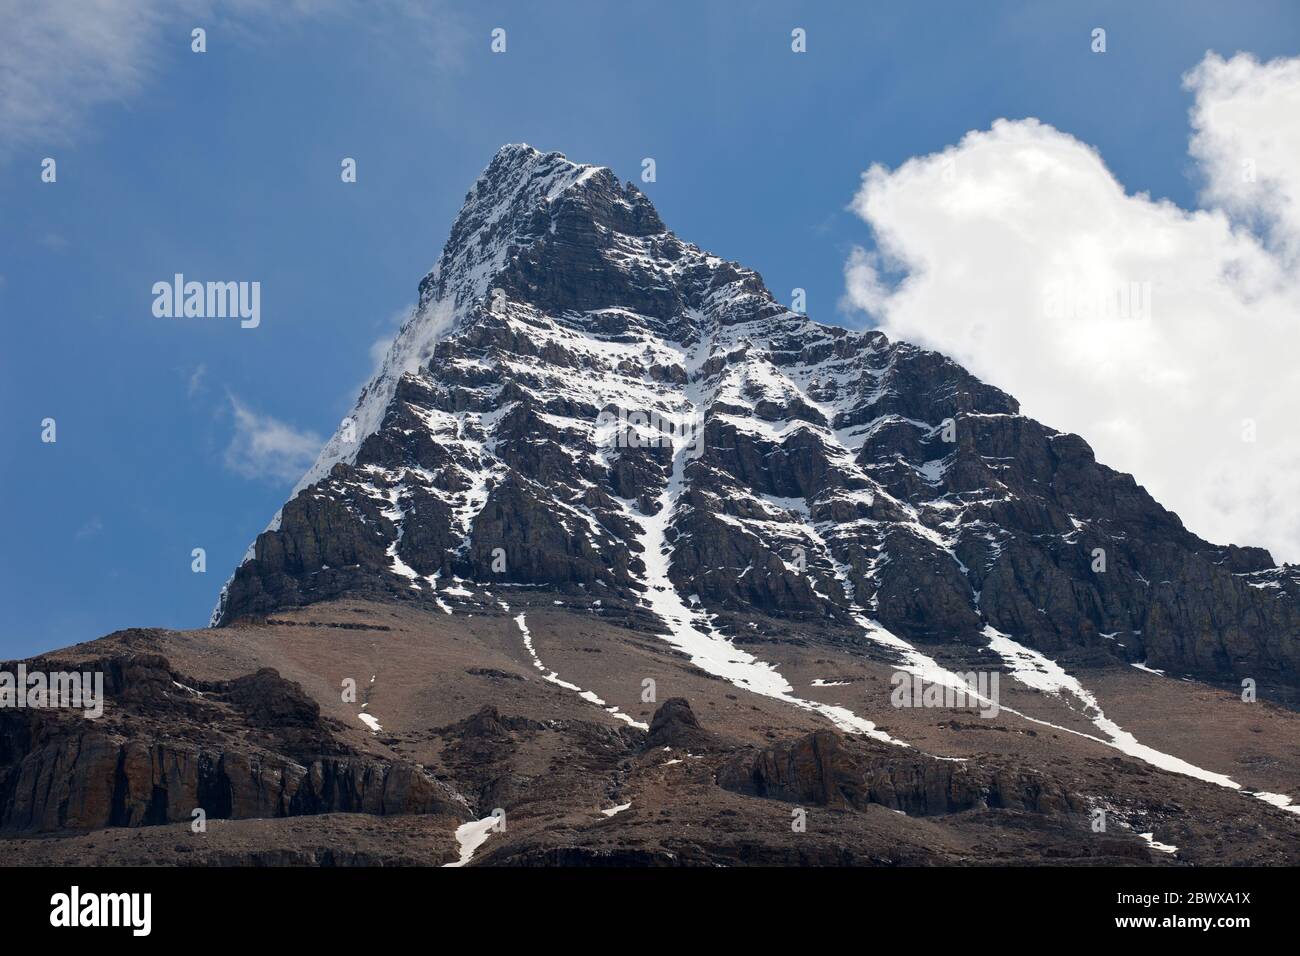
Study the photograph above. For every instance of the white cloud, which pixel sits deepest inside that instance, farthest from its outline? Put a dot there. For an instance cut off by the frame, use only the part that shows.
(381, 346)
(88, 530)
(1022, 257)
(58, 60)
(1247, 121)
(265, 447)
(196, 380)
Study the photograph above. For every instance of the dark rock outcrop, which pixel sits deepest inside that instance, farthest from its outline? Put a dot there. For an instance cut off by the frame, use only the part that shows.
(823, 769)
(166, 745)
(675, 725)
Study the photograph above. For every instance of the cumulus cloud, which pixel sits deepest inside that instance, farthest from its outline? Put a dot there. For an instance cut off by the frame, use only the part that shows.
(1247, 141)
(1165, 337)
(267, 448)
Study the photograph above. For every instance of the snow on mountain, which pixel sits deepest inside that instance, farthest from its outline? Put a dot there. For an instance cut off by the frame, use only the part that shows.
(583, 401)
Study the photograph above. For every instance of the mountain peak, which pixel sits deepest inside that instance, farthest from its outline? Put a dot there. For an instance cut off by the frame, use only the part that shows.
(525, 196)
(523, 155)
(584, 402)
(518, 167)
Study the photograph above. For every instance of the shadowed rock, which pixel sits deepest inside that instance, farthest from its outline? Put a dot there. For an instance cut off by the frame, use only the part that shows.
(255, 746)
(675, 725)
(821, 769)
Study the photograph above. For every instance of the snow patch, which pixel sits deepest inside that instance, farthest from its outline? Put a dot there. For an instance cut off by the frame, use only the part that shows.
(1157, 845)
(554, 677)
(470, 836)
(1035, 670)
(689, 630)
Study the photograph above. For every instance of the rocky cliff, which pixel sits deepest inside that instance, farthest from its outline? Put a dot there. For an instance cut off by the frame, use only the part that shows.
(251, 747)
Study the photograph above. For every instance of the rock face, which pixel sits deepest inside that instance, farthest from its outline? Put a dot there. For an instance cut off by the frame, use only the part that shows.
(824, 770)
(814, 769)
(675, 725)
(252, 747)
(573, 368)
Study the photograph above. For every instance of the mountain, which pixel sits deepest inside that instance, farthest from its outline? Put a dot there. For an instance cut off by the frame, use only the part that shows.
(618, 548)
(837, 475)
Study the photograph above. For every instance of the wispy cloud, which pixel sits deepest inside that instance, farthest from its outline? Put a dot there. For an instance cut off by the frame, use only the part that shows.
(266, 448)
(61, 61)
(88, 530)
(196, 380)
(380, 347)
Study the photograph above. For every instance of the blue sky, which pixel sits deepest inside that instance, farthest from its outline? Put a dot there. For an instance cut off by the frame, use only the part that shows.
(225, 165)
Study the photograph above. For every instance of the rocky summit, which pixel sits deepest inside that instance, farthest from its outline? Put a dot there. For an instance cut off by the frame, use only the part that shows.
(617, 547)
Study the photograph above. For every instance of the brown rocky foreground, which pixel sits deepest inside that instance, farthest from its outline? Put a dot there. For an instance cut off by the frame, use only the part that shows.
(249, 724)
